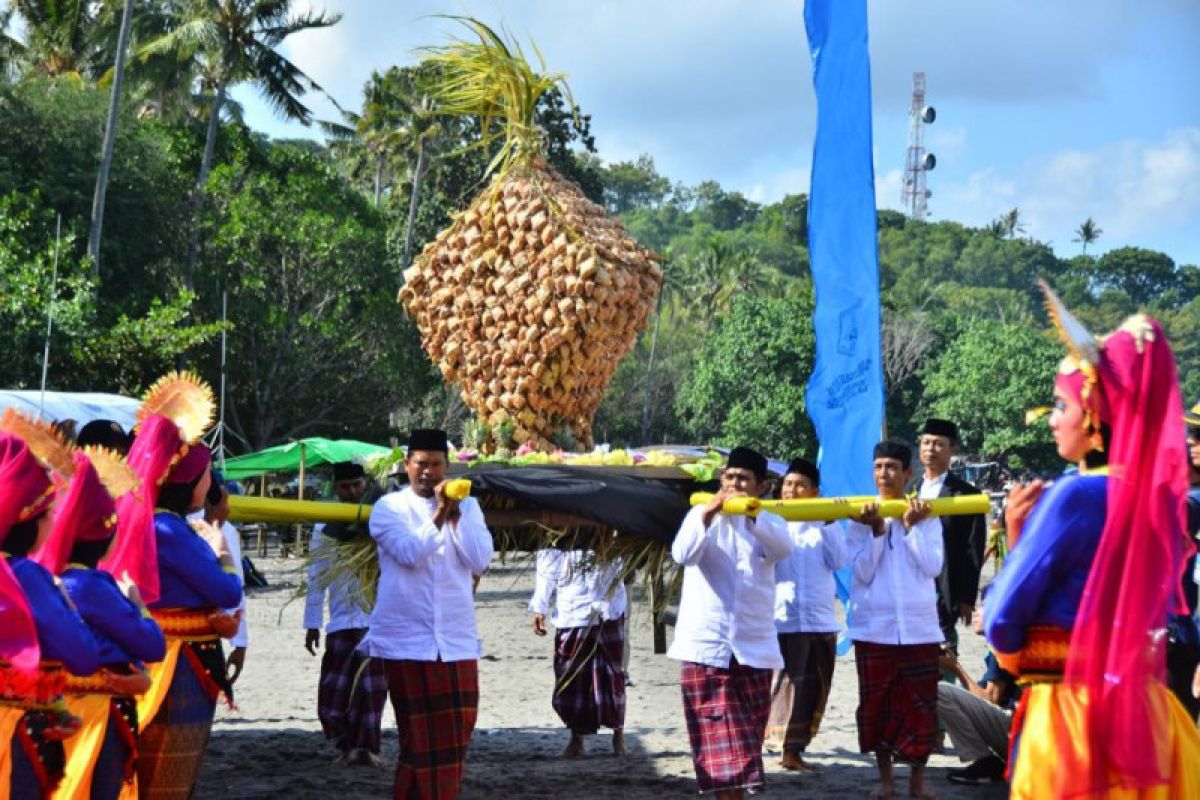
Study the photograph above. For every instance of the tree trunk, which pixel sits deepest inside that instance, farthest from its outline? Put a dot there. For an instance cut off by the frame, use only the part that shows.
(646, 391)
(110, 138)
(210, 144)
(413, 201)
(378, 178)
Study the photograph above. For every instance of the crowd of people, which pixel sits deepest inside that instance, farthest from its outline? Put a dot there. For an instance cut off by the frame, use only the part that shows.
(121, 578)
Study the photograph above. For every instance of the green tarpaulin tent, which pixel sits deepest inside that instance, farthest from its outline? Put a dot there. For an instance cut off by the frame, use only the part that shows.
(296, 456)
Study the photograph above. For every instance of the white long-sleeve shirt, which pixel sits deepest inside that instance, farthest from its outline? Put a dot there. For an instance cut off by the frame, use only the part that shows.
(233, 539)
(584, 596)
(424, 608)
(728, 601)
(804, 583)
(344, 612)
(893, 599)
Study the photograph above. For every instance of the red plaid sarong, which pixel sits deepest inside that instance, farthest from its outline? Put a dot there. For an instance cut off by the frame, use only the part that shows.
(352, 693)
(726, 712)
(897, 698)
(589, 684)
(436, 703)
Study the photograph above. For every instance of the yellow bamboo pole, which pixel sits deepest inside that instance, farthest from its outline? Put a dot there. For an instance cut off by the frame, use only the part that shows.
(830, 508)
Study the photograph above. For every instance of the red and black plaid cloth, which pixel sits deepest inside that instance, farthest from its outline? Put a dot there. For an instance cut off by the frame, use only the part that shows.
(436, 703)
(589, 684)
(726, 712)
(351, 696)
(897, 698)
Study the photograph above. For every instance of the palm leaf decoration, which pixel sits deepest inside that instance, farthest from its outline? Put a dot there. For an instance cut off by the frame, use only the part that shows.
(533, 295)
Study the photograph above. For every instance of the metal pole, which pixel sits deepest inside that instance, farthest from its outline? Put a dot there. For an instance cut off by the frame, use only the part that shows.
(50, 313)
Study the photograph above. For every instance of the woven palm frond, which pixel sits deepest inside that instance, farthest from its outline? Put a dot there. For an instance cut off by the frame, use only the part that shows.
(117, 476)
(46, 444)
(183, 398)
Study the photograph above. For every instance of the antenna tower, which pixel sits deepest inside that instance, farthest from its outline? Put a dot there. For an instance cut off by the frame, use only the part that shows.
(916, 195)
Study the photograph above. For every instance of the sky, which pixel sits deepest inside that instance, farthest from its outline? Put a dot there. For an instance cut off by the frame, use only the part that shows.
(1064, 109)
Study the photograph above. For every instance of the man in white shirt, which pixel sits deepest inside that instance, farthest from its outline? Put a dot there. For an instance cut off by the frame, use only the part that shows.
(350, 695)
(805, 621)
(894, 624)
(589, 642)
(423, 624)
(725, 634)
(216, 511)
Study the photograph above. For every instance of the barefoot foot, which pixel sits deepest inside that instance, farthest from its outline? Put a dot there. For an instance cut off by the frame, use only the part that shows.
(794, 762)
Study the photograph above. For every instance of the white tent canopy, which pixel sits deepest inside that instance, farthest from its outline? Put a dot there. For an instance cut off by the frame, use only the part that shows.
(83, 407)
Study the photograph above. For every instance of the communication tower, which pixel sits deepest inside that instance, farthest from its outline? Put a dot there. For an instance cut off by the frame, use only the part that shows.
(916, 195)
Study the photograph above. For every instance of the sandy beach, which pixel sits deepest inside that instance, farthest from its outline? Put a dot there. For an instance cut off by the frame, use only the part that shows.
(271, 744)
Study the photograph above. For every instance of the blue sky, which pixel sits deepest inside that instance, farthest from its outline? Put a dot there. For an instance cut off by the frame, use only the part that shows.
(1064, 109)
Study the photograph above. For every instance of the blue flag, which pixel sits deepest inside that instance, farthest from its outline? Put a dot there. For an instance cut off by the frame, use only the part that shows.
(845, 391)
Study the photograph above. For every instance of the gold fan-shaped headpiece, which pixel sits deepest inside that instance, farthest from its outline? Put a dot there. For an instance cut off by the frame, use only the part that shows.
(47, 445)
(1083, 355)
(117, 476)
(183, 398)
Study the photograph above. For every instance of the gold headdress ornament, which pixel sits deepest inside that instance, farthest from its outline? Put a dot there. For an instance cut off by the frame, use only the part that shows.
(1083, 355)
(182, 398)
(47, 445)
(117, 476)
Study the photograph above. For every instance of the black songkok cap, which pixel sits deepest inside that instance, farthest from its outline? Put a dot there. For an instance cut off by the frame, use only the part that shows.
(941, 427)
(802, 466)
(348, 471)
(105, 433)
(897, 450)
(745, 458)
(428, 439)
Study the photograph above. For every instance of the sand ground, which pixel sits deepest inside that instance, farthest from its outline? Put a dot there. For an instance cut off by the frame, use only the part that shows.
(271, 745)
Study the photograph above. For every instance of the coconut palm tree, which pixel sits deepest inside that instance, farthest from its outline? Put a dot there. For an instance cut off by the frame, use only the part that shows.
(233, 42)
(372, 142)
(1087, 233)
(1010, 223)
(59, 36)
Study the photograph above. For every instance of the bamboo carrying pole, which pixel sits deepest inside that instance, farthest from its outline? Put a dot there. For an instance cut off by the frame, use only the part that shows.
(829, 508)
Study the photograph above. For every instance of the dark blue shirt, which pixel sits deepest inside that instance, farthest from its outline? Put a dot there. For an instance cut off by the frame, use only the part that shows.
(62, 634)
(124, 634)
(189, 572)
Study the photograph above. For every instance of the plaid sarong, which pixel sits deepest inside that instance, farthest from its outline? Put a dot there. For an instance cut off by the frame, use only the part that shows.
(800, 690)
(351, 696)
(37, 762)
(589, 684)
(436, 703)
(726, 711)
(897, 698)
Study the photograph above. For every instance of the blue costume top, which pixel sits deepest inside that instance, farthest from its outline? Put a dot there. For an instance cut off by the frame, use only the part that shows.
(61, 632)
(189, 572)
(124, 634)
(1042, 580)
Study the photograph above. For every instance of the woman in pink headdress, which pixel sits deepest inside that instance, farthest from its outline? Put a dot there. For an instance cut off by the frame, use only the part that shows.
(1080, 608)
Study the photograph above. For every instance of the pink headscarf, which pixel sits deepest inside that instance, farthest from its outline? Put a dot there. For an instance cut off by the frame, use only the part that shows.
(155, 451)
(85, 513)
(1117, 644)
(25, 491)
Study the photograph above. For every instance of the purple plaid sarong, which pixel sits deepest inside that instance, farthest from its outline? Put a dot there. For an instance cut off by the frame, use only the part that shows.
(589, 683)
(726, 711)
(352, 693)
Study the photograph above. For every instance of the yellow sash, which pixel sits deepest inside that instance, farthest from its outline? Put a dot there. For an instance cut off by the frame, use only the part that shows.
(10, 716)
(161, 674)
(83, 748)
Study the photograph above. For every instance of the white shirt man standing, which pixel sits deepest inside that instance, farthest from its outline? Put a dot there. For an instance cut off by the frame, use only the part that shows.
(725, 634)
(423, 624)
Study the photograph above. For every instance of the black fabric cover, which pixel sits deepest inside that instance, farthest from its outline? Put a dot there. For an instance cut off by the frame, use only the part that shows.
(651, 508)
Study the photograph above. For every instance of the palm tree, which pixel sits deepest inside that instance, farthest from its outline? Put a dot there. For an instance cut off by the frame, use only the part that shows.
(371, 142)
(59, 36)
(1087, 233)
(1010, 223)
(233, 42)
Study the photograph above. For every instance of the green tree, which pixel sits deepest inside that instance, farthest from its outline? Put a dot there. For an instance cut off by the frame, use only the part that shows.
(1087, 233)
(1143, 275)
(633, 184)
(749, 380)
(233, 42)
(988, 376)
(59, 36)
(317, 341)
